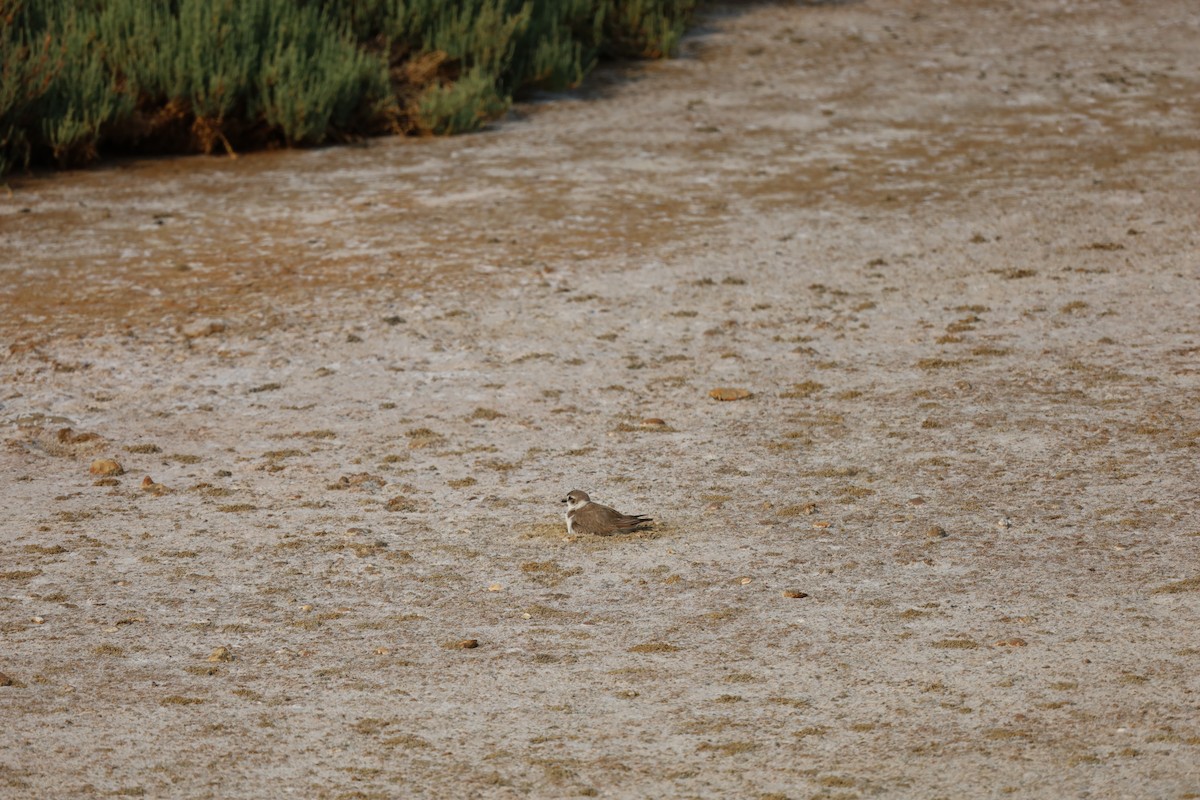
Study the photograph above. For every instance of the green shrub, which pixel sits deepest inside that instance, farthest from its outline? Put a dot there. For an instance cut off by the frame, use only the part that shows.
(197, 75)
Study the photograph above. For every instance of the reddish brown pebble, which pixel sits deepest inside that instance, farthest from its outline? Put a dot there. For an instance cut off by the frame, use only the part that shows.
(469, 644)
(727, 394)
(794, 593)
(147, 482)
(5, 680)
(654, 422)
(916, 501)
(106, 466)
(221, 655)
(936, 532)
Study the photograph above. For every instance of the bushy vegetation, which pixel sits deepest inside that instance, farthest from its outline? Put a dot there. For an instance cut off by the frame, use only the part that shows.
(78, 76)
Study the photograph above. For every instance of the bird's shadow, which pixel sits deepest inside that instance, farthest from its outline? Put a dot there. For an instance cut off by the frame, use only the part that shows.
(557, 532)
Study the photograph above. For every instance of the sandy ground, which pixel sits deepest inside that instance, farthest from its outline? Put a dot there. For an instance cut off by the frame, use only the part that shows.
(948, 547)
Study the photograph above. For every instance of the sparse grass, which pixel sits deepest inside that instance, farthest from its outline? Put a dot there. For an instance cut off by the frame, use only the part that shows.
(807, 509)
(956, 644)
(1014, 273)
(811, 730)
(937, 363)
(1178, 587)
(20, 574)
(654, 647)
(728, 748)
(803, 389)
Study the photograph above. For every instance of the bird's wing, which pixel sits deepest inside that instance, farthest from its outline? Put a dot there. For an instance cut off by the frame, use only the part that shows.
(603, 521)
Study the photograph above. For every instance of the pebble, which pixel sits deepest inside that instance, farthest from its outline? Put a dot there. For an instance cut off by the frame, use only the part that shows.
(794, 593)
(221, 654)
(38, 620)
(382, 651)
(822, 523)
(916, 501)
(5, 680)
(148, 485)
(495, 587)
(728, 394)
(744, 581)
(106, 466)
(469, 644)
(1004, 523)
(1014, 642)
(936, 532)
(204, 327)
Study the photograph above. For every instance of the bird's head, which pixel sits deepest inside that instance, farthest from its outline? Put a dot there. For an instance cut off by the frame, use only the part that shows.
(576, 499)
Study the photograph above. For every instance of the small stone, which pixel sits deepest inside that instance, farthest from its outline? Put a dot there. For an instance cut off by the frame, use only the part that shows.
(204, 327)
(727, 394)
(822, 523)
(1004, 523)
(936, 532)
(1014, 642)
(37, 620)
(106, 467)
(794, 593)
(382, 651)
(220, 655)
(148, 485)
(306, 607)
(468, 644)
(744, 581)
(495, 587)
(5, 680)
(916, 501)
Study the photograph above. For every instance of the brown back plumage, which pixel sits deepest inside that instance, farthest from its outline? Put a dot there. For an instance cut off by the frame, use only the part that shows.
(599, 520)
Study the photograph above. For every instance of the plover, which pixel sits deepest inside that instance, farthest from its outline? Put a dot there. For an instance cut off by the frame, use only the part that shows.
(584, 516)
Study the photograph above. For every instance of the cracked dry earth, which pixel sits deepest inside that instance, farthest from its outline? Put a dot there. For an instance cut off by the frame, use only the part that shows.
(948, 546)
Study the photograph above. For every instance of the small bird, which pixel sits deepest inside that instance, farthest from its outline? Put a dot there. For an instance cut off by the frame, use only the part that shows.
(584, 516)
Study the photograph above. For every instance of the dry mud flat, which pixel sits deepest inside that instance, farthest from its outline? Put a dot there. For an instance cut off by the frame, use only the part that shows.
(948, 546)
